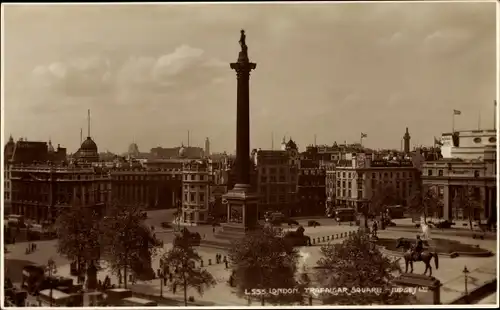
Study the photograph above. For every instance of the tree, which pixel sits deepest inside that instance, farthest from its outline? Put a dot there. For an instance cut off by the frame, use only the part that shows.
(127, 243)
(358, 263)
(78, 235)
(262, 261)
(468, 200)
(383, 196)
(181, 261)
(425, 201)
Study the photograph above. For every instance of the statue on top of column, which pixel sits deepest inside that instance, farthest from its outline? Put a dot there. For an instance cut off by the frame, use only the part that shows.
(242, 41)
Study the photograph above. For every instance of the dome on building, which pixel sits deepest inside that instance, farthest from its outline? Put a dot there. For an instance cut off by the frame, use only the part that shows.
(182, 151)
(50, 148)
(88, 151)
(89, 145)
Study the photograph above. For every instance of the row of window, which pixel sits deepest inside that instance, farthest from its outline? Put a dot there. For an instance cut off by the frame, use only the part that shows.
(441, 173)
(194, 198)
(274, 179)
(168, 177)
(273, 170)
(374, 175)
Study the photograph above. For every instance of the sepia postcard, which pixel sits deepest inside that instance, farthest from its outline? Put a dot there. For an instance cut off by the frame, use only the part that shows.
(249, 155)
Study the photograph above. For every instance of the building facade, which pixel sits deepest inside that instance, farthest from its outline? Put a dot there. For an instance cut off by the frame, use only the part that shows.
(277, 180)
(196, 180)
(41, 192)
(357, 180)
(469, 160)
(330, 187)
(311, 186)
(155, 185)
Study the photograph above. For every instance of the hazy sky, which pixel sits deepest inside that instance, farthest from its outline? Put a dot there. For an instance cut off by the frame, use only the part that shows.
(151, 73)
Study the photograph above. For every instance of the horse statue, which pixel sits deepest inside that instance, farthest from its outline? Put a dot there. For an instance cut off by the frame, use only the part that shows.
(410, 257)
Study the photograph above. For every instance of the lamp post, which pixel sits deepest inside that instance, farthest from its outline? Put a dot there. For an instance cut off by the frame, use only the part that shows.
(51, 269)
(466, 272)
(179, 213)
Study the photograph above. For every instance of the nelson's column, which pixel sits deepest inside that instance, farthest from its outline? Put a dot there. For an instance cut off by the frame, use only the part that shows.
(242, 199)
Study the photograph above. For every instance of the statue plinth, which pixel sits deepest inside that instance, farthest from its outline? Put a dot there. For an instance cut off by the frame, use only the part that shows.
(242, 217)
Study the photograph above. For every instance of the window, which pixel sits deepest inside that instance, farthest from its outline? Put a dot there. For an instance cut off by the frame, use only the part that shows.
(440, 173)
(193, 198)
(476, 173)
(360, 194)
(374, 175)
(349, 193)
(343, 183)
(429, 172)
(343, 174)
(397, 175)
(202, 197)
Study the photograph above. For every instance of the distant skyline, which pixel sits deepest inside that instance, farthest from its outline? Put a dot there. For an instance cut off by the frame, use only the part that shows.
(150, 73)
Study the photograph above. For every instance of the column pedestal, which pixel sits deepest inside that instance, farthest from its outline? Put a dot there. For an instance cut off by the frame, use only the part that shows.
(242, 210)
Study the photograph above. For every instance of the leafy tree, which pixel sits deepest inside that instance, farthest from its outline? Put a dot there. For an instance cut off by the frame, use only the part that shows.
(384, 195)
(181, 261)
(263, 260)
(127, 243)
(358, 263)
(467, 199)
(425, 201)
(78, 235)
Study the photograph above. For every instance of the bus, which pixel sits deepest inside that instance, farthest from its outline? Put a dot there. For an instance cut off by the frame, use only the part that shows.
(396, 212)
(138, 302)
(345, 215)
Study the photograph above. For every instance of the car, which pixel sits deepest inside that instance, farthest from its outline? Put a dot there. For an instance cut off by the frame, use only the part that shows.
(165, 225)
(291, 222)
(313, 223)
(444, 224)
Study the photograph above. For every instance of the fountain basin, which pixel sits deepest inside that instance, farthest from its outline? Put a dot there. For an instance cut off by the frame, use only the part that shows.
(445, 247)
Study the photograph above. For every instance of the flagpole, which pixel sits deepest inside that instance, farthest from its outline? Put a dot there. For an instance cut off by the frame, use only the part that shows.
(495, 116)
(453, 122)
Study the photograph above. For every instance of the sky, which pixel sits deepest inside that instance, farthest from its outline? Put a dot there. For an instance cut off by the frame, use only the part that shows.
(150, 73)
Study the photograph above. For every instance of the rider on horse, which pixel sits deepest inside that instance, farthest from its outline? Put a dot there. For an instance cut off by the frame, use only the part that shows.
(419, 247)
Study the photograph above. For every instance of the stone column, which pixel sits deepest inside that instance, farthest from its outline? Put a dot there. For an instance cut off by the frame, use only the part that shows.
(446, 202)
(483, 192)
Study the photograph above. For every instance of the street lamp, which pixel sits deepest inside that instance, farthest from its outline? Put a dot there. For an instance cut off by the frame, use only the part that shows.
(466, 272)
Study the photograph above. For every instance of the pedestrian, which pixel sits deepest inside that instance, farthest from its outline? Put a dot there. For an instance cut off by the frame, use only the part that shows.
(174, 288)
(225, 262)
(213, 229)
(165, 281)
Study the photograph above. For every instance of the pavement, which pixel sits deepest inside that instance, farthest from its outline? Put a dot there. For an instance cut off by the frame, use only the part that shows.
(449, 272)
(491, 299)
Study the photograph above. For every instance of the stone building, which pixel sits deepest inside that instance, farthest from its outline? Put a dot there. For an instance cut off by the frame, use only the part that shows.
(469, 160)
(155, 185)
(277, 179)
(196, 180)
(311, 191)
(357, 180)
